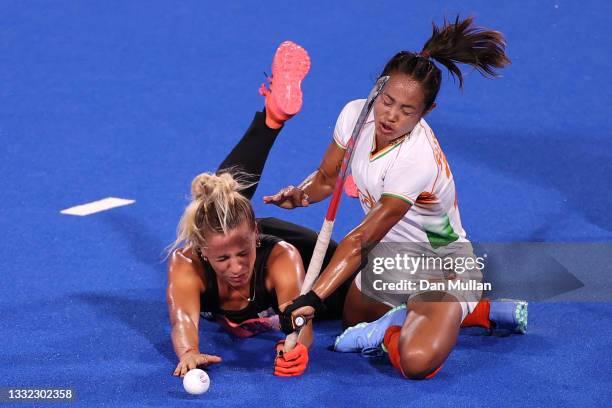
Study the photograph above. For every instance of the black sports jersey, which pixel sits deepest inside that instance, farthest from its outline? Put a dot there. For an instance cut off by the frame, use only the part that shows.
(263, 300)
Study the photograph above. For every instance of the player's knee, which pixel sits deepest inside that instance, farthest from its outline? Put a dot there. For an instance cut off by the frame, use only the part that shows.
(417, 364)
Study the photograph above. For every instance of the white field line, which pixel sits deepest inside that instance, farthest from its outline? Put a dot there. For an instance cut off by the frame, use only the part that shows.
(97, 206)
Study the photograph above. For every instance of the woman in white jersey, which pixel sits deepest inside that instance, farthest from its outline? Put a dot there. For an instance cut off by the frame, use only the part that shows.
(407, 191)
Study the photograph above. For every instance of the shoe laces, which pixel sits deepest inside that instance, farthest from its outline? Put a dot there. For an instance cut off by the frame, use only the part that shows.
(263, 89)
(372, 352)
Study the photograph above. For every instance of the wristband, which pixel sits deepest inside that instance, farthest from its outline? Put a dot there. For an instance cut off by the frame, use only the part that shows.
(309, 299)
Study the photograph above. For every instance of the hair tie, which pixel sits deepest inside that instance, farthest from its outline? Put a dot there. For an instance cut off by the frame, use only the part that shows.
(425, 54)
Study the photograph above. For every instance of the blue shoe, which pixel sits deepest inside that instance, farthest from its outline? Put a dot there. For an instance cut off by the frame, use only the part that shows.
(509, 314)
(367, 337)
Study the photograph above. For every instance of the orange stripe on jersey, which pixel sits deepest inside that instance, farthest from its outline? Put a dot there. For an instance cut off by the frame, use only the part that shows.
(438, 154)
(398, 196)
(442, 156)
(382, 152)
(427, 198)
(366, 198)
(434, 156)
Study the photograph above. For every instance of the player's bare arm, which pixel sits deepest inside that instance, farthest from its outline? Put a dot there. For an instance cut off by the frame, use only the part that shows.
(286, 273)
(185, 284)
(316, 187)
(356, 245)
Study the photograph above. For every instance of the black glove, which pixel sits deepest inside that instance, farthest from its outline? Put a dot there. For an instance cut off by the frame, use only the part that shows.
(309, 299)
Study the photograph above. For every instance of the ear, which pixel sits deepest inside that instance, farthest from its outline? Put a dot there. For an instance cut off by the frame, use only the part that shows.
(202, 252)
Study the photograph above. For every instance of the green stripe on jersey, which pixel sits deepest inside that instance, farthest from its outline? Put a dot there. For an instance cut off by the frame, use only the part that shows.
(398, 196)
(441, 235)
(338, 144)
(383, 152)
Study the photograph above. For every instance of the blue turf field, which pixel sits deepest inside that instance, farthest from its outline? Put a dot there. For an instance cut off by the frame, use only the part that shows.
(132, 99)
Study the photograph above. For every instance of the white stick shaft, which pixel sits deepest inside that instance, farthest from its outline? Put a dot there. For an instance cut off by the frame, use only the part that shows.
(318, 255)
(314, 268)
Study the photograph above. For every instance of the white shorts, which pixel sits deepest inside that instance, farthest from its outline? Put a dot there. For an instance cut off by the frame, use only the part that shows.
(467, 306)
(392, 287)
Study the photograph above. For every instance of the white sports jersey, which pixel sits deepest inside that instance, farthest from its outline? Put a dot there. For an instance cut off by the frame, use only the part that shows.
(414, 170)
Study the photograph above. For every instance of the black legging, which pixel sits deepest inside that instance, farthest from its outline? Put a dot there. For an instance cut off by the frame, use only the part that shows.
(249, 156)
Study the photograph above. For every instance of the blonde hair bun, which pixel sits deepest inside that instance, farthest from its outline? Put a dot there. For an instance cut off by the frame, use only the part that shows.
(209, 185)
(217, 205)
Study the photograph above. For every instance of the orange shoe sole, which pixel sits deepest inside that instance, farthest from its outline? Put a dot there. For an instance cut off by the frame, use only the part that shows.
(290, 65)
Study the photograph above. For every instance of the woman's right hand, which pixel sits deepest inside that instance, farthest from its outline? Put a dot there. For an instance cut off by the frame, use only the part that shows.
(193, 359)
(288, 198)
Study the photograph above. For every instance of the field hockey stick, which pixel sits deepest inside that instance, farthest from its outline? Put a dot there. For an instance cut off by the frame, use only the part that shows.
(314, 268)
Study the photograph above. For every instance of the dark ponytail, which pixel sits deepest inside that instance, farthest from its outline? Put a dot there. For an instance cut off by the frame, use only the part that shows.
(458, 42)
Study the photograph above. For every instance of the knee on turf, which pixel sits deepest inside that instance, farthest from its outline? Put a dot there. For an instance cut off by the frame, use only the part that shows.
(417, 364)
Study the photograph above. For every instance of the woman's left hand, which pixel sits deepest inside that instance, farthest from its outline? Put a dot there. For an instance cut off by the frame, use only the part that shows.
(193, 359)
(292, 363)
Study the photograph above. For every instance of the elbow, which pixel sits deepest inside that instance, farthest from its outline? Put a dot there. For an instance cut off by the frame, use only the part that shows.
(359, 245)
(361, 242)
(327, 180)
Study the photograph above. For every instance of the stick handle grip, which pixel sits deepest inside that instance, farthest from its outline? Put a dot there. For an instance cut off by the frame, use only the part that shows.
(290, 342)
